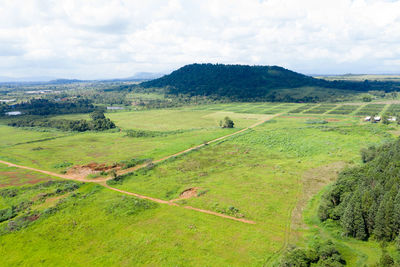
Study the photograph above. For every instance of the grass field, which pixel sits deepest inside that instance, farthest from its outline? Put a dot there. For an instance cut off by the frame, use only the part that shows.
(264, 175)
(265, 166)
(48, 149)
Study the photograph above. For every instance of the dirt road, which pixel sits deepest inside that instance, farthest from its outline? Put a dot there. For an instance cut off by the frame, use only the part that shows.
(103, 181)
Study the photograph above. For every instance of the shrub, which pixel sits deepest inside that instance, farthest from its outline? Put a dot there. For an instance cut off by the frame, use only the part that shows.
(226, 123)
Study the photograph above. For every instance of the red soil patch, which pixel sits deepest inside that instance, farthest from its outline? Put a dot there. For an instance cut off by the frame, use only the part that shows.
(331, 120)
(188, 193)
(33, 217)
(17, 179)
(91, 168)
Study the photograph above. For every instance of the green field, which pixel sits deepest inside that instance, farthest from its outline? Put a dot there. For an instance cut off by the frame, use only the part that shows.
(183, 129)
(267, 174)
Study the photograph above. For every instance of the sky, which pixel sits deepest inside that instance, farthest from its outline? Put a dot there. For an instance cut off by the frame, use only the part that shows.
(96, 39)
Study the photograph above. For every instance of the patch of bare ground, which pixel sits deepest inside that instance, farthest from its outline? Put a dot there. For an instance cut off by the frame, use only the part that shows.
(395, 132)
(91, 168)
(188, 193)
(18, 179)
(313, 181)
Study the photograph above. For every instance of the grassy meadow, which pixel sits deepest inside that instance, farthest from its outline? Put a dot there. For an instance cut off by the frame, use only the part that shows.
(270, 174)
(183, 129)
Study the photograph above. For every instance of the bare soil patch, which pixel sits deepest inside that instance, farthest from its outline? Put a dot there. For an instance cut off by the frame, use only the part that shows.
(91, 168)
(187, 193)
(18, 179)
(395, 132)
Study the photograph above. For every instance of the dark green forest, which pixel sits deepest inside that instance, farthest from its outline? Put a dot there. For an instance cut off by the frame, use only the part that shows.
(365, 200)
(250, 83)
(98, 123)
(47, 107)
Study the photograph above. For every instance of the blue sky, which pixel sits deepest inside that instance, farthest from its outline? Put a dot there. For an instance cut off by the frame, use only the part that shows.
(94, 39)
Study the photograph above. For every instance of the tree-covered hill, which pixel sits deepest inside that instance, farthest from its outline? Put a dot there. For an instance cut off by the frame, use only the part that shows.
(242, 82)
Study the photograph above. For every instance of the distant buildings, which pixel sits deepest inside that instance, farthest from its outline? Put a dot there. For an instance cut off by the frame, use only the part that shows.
(378, 118)
(13, 113)
(7, 100)
(38, 92)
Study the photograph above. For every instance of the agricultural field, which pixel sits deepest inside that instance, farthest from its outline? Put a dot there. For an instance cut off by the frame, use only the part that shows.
(262, 179)
(323, 108)
(393, 109)
(371, 109)
(252, 108)
(344, 109)
(303, 108)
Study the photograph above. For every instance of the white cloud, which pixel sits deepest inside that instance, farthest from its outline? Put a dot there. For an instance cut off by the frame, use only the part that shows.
(116, 38)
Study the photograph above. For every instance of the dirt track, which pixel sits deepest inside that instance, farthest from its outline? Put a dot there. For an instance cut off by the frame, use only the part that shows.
(199, 146)
(103, 181)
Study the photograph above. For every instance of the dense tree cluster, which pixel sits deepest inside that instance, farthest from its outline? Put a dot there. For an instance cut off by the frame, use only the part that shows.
(109, 98)
(47, 107)
(240, 82)
(320, 254)
(3, 108)
(98, 123)
(366, 199)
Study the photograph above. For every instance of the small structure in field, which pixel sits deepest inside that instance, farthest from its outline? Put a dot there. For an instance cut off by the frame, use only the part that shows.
(392, 119)
(368, 118)
(377, 118)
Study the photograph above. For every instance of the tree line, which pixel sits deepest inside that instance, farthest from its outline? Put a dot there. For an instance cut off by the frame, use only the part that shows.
(98, 123)
(365, 200)
(52, 107)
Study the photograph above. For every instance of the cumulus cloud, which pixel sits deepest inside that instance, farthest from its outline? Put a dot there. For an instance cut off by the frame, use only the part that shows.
(116, 38)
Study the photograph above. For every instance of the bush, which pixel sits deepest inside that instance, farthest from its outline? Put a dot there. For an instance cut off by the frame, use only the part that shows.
(316, 122)
(6, 214)
(319, 254)
(62, 165)
(226, 123)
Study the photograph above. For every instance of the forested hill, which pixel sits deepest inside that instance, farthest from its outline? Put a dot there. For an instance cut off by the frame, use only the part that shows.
(244, 82)
(235, 80)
